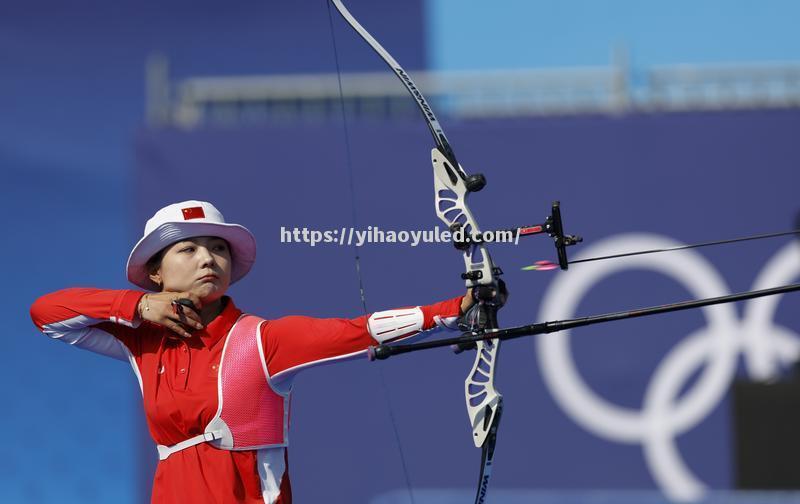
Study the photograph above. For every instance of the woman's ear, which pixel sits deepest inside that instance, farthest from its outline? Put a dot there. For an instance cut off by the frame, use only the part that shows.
(156, 277)
(153, 267)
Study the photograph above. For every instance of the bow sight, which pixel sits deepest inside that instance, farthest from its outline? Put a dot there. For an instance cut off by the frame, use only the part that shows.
(552, 226)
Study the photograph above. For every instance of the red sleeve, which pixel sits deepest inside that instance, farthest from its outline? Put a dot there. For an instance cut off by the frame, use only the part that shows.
(442, 314)
(295, 342)
(84, 317)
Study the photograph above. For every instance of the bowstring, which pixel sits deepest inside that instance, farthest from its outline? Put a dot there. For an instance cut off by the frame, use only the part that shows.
(357, 257)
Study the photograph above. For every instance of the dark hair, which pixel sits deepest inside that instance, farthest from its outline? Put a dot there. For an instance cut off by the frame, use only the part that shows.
(154, 262)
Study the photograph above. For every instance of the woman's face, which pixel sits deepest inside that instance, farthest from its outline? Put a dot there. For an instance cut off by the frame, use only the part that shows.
(201, 265)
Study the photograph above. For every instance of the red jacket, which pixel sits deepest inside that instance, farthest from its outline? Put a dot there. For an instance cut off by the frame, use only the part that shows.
(178, 379)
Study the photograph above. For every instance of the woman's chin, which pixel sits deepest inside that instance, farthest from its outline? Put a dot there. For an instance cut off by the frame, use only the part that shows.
(209, 291)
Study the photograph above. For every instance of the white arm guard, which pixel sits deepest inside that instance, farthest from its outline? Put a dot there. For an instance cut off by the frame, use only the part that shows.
(387, 326)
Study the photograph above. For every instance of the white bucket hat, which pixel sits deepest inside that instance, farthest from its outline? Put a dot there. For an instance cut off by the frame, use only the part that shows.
(189, 219)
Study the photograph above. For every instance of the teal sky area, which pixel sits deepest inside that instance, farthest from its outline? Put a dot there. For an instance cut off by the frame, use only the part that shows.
(502, 34)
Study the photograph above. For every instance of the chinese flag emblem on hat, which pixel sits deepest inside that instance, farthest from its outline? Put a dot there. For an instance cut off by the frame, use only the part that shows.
(193, 213)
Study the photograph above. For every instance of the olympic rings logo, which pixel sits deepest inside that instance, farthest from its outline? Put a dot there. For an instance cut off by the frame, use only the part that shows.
(715, 348)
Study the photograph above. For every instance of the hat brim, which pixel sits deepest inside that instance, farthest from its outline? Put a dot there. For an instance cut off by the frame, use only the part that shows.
(241, 241)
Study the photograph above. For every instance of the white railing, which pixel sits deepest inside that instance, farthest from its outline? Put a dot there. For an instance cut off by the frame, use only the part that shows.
(685, 87)
(500, 93)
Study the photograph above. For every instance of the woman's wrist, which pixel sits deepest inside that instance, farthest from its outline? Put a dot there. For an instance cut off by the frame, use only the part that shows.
(466, 302)
(143, 306)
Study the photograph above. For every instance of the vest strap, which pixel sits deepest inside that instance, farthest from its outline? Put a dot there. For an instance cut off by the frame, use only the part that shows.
(166, 451)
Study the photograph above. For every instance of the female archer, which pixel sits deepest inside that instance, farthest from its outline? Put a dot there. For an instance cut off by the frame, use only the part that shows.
(216, 382)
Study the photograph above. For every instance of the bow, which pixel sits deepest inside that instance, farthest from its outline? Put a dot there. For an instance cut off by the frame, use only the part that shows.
(452, 186)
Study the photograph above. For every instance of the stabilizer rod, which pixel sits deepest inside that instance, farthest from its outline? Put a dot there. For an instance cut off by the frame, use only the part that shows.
(467, 340)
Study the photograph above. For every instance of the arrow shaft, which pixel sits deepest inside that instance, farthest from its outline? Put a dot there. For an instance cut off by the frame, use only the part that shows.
(684, 247)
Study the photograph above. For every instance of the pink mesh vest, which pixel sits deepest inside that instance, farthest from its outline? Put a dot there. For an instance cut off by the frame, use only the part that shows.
(251, 414)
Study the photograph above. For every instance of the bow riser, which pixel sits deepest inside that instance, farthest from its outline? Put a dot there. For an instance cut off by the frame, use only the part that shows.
(450, 194)
(451, 206)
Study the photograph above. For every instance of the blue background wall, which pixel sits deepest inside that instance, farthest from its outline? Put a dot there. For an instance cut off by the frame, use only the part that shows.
(73, 200)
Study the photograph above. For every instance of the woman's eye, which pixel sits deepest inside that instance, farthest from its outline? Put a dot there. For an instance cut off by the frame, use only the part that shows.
(187, 249)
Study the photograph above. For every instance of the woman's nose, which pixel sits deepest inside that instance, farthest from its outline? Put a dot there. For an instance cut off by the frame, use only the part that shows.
(205, 256)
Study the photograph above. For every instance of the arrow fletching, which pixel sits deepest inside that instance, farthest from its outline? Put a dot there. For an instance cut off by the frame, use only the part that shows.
(541, 266)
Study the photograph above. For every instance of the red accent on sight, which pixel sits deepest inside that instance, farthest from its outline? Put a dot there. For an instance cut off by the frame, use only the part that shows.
(530, 230)
(193, 213)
